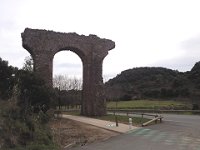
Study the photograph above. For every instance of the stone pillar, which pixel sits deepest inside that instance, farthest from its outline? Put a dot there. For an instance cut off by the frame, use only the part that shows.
(43, 67)
(93, 98)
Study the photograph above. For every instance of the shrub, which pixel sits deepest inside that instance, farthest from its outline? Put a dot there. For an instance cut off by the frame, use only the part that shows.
(195, 107)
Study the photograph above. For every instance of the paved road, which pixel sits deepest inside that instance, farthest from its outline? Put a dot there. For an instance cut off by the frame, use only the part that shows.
(186, 125)
(177, 132)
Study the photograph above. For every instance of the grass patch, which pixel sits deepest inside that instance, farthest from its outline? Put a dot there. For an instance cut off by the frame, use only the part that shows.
(20, 132)
(75, 113)
(137, 121)
(149, 104)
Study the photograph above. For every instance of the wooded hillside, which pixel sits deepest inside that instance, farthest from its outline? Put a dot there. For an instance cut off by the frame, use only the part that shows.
(155, 83)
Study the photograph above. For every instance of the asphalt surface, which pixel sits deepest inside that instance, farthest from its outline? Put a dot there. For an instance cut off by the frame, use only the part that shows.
(177, 132)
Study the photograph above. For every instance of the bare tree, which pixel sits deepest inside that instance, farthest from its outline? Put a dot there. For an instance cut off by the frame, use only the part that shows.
(76, 84)
(64, 82)
(69, 90)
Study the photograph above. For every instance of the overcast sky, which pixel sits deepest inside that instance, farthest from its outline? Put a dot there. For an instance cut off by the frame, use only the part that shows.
(162, 33)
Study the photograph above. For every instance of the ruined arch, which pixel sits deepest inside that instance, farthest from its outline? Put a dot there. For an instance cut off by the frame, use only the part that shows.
(43, 45)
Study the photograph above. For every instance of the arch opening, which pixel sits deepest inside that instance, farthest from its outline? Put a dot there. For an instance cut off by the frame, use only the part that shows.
(68, 63)
(78, 53)
(67, 79)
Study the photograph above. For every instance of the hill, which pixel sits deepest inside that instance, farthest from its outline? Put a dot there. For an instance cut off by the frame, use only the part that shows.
(154, 83)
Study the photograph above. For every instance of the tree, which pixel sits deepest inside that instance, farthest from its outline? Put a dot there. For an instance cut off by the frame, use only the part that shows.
(28, 64)
(68, 90)
(23, 116)
(35, 95)
(6, 79)
(65, 83)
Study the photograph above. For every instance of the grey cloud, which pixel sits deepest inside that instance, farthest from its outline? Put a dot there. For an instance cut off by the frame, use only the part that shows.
(191, 50)
(7, 25)
(192, 46)
(181, 64)
(68, 72)
(69, 65)
(106, 77)
(70, 69)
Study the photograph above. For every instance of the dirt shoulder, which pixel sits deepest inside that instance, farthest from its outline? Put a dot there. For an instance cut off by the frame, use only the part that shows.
(68, 133)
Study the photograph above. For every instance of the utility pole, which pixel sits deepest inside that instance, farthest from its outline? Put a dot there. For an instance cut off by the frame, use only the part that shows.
(59, 101)
(116, 119)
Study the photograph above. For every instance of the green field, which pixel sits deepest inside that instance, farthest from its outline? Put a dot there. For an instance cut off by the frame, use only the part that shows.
(137, 121)
(149, 104)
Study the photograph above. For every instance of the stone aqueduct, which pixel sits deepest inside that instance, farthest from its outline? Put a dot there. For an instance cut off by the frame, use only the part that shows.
(43, 45)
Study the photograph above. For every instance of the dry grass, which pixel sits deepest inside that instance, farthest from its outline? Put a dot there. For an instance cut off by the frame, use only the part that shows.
(69, 133)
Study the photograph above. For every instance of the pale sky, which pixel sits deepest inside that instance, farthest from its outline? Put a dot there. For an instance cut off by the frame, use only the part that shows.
(164, 33)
